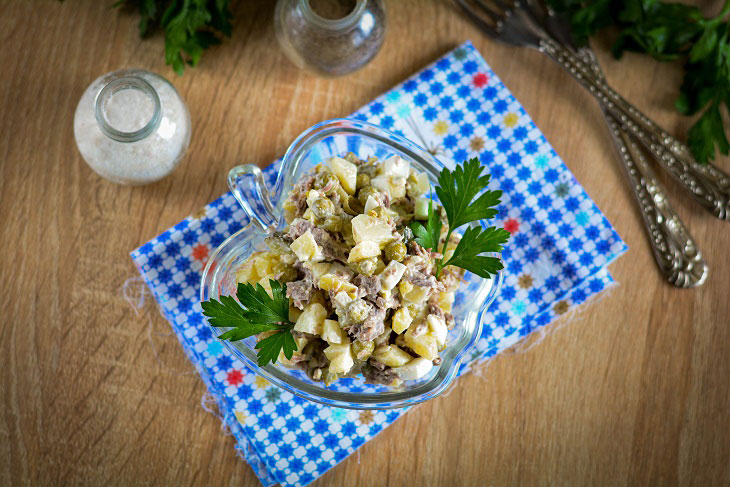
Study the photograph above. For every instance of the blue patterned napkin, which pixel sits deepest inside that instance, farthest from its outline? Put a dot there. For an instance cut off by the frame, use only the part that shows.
(556, 259)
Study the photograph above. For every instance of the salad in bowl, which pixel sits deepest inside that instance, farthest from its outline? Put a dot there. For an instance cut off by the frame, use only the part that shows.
(364, 275)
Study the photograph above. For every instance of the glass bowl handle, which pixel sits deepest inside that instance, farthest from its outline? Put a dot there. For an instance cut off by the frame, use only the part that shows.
(249, 188)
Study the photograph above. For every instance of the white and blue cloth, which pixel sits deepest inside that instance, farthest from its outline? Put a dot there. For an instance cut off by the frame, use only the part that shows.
(556, 260)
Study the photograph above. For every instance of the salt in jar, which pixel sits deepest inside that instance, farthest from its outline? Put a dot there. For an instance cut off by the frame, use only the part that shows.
(132, 126)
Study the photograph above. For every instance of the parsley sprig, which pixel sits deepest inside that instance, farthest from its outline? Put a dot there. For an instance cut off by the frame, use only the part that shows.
(190, 26)
(464, 197)
(257, 313)
(670, 31)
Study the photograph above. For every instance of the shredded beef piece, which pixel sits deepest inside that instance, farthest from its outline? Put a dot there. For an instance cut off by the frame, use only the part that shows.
(378, 373)
(331, 248)
(300, 291)
(367, 286)
(314, 350)
(436, 310)
(449, 320)
(416, 249)
(418, 278)
(298, 194)
(392, 302)
(373, 325)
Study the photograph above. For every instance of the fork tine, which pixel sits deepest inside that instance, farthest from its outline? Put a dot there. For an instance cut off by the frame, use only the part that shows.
(499, 3)
(488, 29)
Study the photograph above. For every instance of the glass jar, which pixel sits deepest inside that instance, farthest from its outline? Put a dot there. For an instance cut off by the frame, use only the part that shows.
(330, 37)
(132, 127)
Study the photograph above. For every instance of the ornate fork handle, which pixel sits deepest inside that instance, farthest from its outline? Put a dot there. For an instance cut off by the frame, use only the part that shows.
(674, 249)
(709, 185)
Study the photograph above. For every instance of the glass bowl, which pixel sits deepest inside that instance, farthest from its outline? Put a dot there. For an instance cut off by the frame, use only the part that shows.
(264, 209)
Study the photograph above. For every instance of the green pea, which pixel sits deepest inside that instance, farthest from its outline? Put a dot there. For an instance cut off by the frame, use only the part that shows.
(332, 223)
(362, 350)
(358, 310)
(365, 267)
(322, 208)
(366, 191)
(395, 251)
(363, 180)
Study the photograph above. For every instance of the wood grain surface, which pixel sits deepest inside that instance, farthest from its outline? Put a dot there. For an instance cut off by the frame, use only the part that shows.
(635, 390)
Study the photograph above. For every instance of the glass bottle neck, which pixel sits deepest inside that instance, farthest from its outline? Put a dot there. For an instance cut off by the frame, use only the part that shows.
(127, 109)
(352, 18)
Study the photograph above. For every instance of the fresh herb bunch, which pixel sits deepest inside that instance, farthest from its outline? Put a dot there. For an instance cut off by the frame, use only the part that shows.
(465, 200)
(257, 313)
(668, 32)
(190, 26)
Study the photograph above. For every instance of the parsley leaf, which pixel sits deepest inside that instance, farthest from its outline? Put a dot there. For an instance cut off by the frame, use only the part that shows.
(475, 241)
(257, 313)
(670, 31)
(270, 347)
(428, 236)
(465, 199)
(457, 189)
(190, 26)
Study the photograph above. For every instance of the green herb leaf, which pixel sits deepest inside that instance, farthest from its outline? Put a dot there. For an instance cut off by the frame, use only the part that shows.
(669, 31)
(475, 242)
(457, 190)
(465, 199)
(270, 347)
(257, 313)
(190, 26)
(428, 236)
(262, 308)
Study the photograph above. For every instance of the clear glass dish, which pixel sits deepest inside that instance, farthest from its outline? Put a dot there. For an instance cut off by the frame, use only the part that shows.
(264, 209)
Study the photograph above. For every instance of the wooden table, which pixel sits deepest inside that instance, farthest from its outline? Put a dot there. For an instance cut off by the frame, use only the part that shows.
(633, 391)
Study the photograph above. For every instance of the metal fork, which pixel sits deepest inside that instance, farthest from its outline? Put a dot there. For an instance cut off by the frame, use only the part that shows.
(518, 25)
(674, 249)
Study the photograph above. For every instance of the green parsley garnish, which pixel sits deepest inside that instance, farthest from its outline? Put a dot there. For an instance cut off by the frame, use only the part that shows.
(257, 313)
(190, 26)
(670, 31)
(465, 200)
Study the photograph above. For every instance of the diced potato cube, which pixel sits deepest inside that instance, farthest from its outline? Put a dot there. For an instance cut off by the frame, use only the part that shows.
(318, 269)
(401, 320)
(346, 172)
(290, 210)
(437, 328)
(418, 184)
(379, 266)
(420, 210)
(265, 264)
(370, 204)
(445, 301)
(331, 282)
(396, 185)
(413, 293)
(312, 197)
(294, 313)
(415, 369)
(391, 355)
(306, 249)
(332, 333)
(392, 274)
(340, 357)
(366, 227)
(362, 350)
(301, 343)
(364, 250)
(312, 319)
(247, 273)
(424, 345)
(396, 166)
